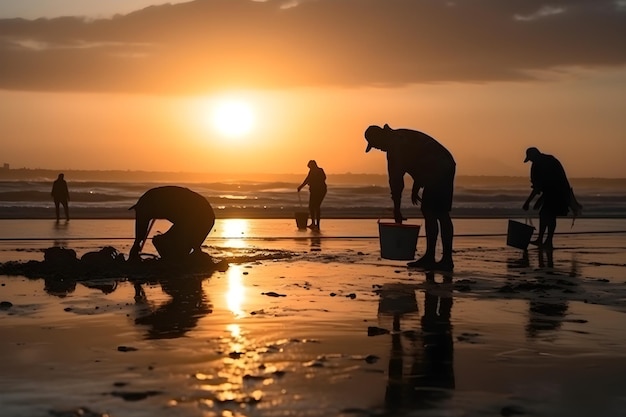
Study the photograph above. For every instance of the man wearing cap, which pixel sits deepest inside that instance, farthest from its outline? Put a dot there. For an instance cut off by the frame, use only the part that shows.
(548, 180)
(432, 168)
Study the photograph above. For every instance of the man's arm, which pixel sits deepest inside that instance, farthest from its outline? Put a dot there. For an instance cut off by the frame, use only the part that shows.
(396, 184)
(305, 182)
(415, 197)
(142, 228)
(532, 195)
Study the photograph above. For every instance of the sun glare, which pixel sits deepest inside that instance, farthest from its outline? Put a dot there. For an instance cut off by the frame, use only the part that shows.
(233, 118)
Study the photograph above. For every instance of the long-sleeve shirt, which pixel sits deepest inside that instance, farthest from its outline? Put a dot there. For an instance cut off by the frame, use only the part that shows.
(417, 154)
(547, 174)
(60, 191)
(316, 179)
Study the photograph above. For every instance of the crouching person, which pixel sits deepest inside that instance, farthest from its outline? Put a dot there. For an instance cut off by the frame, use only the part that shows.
(191, 215)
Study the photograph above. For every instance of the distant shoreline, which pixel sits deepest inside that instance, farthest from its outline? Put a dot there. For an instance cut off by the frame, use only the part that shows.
(32, 213)
(22, 174)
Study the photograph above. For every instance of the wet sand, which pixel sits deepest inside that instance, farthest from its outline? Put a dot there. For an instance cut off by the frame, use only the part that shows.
(308, 324)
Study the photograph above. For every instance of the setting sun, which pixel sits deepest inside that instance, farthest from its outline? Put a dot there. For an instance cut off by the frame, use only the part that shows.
(232, 118)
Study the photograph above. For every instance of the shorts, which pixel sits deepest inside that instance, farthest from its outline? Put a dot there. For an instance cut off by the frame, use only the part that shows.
(316, 197)
(438, 193)
(555, 202)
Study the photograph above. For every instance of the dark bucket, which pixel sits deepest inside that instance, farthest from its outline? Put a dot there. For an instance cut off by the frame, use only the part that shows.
(398, 241)
(519, 234)
(302, 218)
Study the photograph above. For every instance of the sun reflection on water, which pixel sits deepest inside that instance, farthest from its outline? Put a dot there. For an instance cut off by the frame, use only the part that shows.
(233, 230)
(236, 294)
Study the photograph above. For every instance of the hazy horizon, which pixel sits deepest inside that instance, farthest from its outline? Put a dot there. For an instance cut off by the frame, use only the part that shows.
(129, 175)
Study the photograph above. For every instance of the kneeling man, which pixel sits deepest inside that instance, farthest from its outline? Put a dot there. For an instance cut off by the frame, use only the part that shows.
(191, 215)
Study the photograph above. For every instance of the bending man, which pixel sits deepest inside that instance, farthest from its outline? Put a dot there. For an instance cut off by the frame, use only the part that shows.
(432, 168)
(191, 215)
(316, 180)
(548, 178)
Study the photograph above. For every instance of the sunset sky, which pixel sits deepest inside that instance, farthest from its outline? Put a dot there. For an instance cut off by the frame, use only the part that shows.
(241, 86)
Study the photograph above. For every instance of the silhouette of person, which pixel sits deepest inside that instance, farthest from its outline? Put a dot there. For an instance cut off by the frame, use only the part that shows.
(435, 373)
(316, 180)
(548, 180)
(429, 378)
(191, 215)
(61, 196)
(432, 168)
(173, 319)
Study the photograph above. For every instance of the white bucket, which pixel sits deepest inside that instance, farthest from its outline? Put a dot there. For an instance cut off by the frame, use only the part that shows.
(398, 241)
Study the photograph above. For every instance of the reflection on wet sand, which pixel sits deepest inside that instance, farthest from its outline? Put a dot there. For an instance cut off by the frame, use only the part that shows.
(316, 241)
(188, 304)
(236, 294)
(59, 286)
(548, 302)
(421, 371)
(546, 314)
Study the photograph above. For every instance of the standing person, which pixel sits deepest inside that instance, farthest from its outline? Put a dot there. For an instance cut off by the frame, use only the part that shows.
(61, 195)
(548, 180)
(316, 180)
(432, 168)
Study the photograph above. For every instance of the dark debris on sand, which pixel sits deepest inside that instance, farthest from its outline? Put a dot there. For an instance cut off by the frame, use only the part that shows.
(62, 264)
(536, 286)
(134, 395)
(78, 412)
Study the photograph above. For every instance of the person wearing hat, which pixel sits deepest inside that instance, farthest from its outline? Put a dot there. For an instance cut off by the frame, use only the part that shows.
(432, 168)
(549, 182)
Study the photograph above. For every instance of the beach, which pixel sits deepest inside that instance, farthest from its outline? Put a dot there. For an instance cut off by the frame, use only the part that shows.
(318, 324)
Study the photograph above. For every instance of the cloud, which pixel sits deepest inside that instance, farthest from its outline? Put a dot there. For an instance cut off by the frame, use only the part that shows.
(201, 45)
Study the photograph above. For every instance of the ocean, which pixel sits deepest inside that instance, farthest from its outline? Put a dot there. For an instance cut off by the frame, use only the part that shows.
(349, 196)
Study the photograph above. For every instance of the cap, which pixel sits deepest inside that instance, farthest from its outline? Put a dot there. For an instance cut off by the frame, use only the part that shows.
(530, 152)
(371, 134)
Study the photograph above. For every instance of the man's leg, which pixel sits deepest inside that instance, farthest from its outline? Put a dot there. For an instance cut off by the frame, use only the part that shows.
(198, 232)
(56, 207)
(317, 215)
(441, 202)
(66, 210)
(175, 244)
(311, 211)
(551, 227)
(543, 225)
(447, 235)
(431, 227)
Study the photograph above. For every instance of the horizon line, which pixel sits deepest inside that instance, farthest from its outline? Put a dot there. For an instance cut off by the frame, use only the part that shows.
(7, 169)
